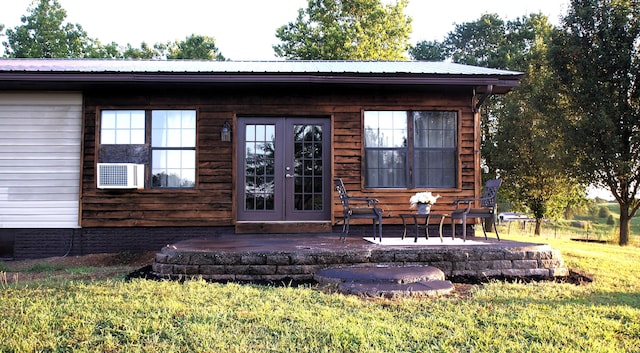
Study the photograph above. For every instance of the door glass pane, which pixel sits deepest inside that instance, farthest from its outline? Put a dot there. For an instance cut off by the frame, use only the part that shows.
(259, 167)
(308, 185)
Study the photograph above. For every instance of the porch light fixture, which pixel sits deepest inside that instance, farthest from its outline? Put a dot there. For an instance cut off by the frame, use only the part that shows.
(225, 133)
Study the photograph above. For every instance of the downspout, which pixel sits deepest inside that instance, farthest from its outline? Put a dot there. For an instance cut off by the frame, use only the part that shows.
(484, 97)
(476, 111)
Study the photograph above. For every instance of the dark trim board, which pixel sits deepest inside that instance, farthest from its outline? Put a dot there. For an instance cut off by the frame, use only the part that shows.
(283, 227)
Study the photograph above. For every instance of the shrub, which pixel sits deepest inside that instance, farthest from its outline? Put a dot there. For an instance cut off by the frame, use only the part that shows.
(604, 212)
(610, 220)
(580, 224)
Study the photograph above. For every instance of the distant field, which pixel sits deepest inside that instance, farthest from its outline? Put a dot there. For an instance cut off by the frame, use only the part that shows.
(589, 226)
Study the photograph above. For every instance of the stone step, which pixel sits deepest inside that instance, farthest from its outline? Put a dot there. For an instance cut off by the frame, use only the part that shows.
(394, 290)
(376, 274)
(386, 281)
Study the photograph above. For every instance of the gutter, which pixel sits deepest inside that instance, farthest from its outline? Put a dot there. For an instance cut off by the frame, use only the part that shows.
(102, 78)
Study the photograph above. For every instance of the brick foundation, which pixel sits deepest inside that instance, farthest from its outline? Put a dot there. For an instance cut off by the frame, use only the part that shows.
(40, 243)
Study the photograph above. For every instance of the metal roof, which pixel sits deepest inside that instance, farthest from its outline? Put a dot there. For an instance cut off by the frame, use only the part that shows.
(289, 66)
(286, 71)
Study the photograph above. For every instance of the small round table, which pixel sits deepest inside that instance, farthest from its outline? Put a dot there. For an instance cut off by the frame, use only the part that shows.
(416, 217)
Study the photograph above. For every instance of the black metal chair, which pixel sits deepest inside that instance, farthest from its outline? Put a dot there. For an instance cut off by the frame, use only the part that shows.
(358, 207)
(464, 209)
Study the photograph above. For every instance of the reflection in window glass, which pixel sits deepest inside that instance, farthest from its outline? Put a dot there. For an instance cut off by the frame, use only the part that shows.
(259, 167)
(307, 144)
(385, 129)
(424, 157)
(174, 168)
(120, 127)
(173, 128)
(386, 148)
(435, 148)
(173, 142)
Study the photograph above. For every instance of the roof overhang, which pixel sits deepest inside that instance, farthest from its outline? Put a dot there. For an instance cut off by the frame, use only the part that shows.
(87, 74)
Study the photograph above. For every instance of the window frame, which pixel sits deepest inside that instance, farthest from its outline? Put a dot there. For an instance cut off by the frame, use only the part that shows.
(148, 145)
(155, 148)
(411, 181)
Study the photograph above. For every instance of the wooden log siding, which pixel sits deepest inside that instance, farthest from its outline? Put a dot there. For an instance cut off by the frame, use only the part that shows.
(211, 202)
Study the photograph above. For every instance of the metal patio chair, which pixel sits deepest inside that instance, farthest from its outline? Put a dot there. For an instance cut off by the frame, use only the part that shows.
(465, 210)
(358, 207)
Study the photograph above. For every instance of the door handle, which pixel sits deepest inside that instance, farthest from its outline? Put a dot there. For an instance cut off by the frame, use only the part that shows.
(289, 175)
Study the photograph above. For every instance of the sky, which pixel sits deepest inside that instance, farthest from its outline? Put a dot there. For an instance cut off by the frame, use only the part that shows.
(245, 29)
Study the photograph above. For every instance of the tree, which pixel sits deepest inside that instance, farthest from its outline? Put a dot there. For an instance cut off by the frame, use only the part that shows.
(109, 51)
(528, 153)
(144, 52)
(596, 58)
(44, 34)
(195, 47)
(487, 42)
(346, 30)
(521, 142)
(480, 43)
(527, 148)
(428, 51)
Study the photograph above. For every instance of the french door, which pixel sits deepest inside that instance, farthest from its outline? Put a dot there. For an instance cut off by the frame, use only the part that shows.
(283, 169)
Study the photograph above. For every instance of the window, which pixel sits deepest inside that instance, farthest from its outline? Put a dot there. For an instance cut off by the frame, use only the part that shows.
(170, 144)
(122, 127)
(410, 149)
(173, 148)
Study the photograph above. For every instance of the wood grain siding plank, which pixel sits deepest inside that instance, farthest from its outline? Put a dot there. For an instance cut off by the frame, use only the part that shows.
(40, 138)
(211, 202)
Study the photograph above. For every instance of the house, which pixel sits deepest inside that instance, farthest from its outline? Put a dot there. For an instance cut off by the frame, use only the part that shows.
(116, 155)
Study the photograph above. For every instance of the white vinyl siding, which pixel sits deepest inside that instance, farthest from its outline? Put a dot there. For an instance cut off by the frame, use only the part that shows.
(40, 139)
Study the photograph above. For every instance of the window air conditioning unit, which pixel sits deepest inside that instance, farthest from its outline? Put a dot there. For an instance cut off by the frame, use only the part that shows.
(120, 176)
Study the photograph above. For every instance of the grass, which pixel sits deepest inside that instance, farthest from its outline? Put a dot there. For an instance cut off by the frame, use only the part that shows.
(43, 267)
(145, 316)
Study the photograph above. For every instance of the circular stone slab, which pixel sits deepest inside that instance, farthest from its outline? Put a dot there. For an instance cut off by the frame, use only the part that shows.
(391, 274)
(394, 290)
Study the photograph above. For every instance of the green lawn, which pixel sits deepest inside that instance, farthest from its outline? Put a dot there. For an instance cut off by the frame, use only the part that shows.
(196, 316)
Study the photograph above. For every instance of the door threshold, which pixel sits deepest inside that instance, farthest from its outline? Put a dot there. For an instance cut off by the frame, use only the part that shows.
(282, 227)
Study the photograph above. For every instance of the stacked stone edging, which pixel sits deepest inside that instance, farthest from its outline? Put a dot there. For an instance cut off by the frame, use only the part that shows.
(530, 261)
